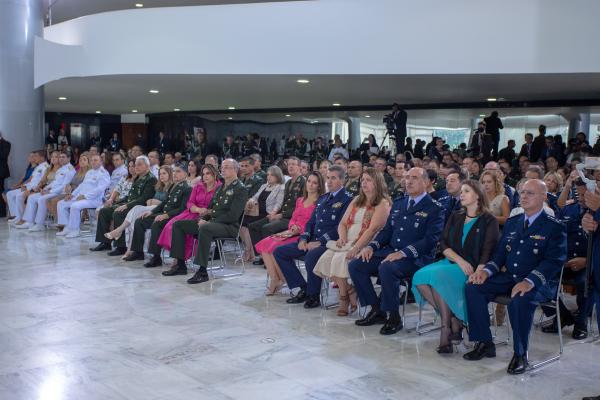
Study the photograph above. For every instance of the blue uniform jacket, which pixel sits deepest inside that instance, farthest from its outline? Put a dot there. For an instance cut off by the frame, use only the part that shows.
(571, 215)
(450, 204)
(415, 232)
(536, 254)
(323, 223)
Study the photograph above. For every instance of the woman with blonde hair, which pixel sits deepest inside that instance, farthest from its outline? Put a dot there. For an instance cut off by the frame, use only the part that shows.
(364, 217)
(494, 192)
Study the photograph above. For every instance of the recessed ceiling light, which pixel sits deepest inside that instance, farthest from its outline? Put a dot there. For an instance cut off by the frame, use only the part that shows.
(288, 115)
(482, 115)
(139, 5)
(231, 108)
(491, 99)
(336, 104)
(176, 109)
(62, 98)
(98, 112)
(314, 122)
(367, 116)
(154, 91)
(133, 111)
(229, 117)
(303, 81)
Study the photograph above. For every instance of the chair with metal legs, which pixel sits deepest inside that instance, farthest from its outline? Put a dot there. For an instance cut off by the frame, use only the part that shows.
(222, 251)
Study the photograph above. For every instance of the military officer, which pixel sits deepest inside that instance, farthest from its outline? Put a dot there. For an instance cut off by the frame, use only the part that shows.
(405, 244)
(16, 198)
(276, 223)
(230, 148)
(396, 187)
(451, 201)
(156, 219)
(248, 178)
(258, 171)
(533, 249)
(320, 228)
(354, 170)
(141, 191)
(571, 215)
(36, 209)
(223, 220)
(87, 195)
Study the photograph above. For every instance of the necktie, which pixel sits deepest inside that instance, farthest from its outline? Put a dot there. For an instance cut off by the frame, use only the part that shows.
(526, 223)
(411, 204)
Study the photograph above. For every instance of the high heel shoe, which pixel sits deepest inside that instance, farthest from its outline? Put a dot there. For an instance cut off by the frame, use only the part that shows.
(112, 235)
(446, 349)
(274, 288)
(353, 299)
(344, 304)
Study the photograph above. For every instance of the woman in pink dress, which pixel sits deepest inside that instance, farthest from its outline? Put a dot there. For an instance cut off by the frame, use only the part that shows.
(315, 187)
(196, 207)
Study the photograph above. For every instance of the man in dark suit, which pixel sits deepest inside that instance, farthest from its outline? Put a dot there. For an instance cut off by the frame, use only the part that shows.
(527, 148)
(508, 153)
(398, 130)
(538, 143)
(4, 171)
(163, 144)
(493, 126)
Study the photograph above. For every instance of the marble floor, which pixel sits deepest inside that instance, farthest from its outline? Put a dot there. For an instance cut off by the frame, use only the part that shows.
(81, 325)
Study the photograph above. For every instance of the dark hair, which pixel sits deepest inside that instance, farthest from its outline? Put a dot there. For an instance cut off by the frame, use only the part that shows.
(211, 168)
(338, 170)
(431, 175)
(248, 159)
(321, 181)
(482, 202)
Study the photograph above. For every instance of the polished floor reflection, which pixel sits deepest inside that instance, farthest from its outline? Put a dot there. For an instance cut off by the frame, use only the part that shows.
(77, 325)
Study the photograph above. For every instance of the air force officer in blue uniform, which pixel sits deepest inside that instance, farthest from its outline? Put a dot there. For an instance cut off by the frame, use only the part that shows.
(320, 228)
(406, 243)
(532, 250)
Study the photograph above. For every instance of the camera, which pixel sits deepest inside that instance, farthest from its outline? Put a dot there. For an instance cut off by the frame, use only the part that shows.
(388, 120)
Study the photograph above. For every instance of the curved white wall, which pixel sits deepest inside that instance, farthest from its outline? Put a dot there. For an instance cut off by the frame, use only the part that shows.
(329, 37)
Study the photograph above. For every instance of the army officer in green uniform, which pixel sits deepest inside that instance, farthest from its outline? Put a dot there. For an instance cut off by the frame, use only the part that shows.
(155, 220)
(223, 220)
(141, 191)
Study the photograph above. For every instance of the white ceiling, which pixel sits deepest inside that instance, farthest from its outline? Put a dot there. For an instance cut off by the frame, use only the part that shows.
(63, 10)
(121, 94)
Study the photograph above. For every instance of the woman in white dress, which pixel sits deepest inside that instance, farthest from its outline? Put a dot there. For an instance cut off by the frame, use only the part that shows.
(365, 216)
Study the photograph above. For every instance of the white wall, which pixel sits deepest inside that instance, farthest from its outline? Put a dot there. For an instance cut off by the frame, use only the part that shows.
(329, 37)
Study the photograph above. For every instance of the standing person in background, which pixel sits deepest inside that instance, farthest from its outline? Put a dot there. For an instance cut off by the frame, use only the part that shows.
(62, 138)
(114, 144)
(493, 126)
(4, 170)
(163, 145)
(51, 140)
(538, 144)
(398, 127)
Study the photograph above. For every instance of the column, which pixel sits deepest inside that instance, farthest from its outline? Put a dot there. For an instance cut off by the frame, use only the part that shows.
(353, 133)
(21, 106)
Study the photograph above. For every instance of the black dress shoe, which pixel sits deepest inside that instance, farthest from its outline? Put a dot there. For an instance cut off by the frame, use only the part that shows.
(258, 262)
(518, 365)
(480, 351)
(118, 251)
(155, 261)
(101, 247)
(579, 333)
(300, 297)
(372, 318)
(312, 302)
(199, 277)
(134, 256)
(391, 326)
(176, 270)
(591, 398)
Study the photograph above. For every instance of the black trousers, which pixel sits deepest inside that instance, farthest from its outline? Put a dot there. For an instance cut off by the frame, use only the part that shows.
(139, 234)
(105, 217)
(2, 203)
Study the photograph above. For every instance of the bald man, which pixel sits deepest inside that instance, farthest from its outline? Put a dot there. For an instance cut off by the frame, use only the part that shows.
(533, 250)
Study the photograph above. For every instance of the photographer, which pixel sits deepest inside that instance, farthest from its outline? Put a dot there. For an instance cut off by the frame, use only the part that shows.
(368, 147)
(395, 122)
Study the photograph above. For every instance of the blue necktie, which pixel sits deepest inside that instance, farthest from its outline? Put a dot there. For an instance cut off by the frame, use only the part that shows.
(411, 204)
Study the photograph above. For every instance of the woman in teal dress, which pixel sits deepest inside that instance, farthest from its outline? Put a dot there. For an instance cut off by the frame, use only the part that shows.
(468, 242)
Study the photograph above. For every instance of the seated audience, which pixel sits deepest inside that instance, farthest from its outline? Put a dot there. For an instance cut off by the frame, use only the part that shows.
(249, 179)
(468, 241)
(194, 176)
(16, 197)
(321, 228)
(88, 194)
(197, 207)
(25, 178)
(406, 243)
(305, 205)
(84, 167)
(499, 204)
(354, 170)
(364, 217)
(532, 250)
(226, 209)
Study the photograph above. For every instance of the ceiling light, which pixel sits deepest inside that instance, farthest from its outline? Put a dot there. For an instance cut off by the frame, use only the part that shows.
(154, 91)
(336, 104)
(231, 108)
(229, 117)
(482, 115)
(98, 112)
(491, 99)
(62, 98)
(139, 5)
(288, 115)
(367, 116)
(176, 109)
(314, 122)
(133, 111)
(303, 81)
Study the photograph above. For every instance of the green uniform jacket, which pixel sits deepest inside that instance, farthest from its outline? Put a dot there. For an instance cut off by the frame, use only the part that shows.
(353, 187)
(228, 203)
(141, 191)
(293, 190)
(252, 184)
(176, 201)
